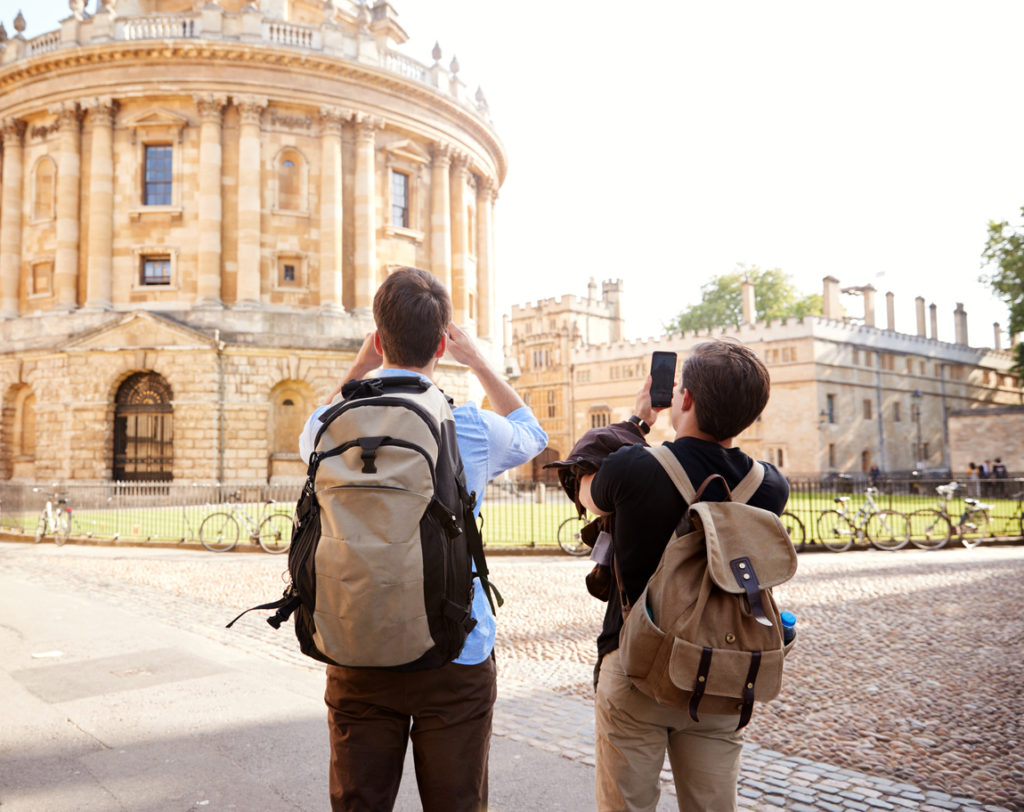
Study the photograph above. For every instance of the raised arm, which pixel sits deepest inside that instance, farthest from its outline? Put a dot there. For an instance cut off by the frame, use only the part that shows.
(503, 397)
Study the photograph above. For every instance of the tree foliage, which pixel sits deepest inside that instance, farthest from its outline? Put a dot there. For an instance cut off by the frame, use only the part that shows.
(721, 300)
(1004, 257)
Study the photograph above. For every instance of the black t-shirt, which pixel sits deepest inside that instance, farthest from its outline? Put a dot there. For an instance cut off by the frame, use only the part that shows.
(646, 508)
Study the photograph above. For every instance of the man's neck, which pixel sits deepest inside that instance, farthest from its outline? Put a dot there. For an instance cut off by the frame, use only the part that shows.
(426, 372)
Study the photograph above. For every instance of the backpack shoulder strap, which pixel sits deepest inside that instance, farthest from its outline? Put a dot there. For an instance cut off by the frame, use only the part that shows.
(663, 454)
(748, 486)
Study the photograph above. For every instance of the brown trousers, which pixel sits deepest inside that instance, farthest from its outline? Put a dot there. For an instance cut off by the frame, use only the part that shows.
(372, 713)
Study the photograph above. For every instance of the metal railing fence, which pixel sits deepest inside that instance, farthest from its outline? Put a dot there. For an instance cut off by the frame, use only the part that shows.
(522, 514)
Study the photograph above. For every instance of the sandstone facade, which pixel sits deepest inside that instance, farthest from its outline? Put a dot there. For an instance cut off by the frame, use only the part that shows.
(207, 196)
(846, 394)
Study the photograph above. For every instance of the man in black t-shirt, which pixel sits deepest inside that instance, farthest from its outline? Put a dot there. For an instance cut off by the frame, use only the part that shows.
(724, 389)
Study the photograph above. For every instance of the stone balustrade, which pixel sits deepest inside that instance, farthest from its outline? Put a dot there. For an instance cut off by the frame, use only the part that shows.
(249, 26)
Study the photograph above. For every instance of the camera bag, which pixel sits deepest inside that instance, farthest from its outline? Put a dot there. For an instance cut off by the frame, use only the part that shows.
(706, 629)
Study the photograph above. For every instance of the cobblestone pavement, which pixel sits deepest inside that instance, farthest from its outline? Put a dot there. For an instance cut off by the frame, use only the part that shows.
(903, 692)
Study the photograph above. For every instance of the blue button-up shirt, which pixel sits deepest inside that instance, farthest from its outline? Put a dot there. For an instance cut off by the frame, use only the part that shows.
(489, 444)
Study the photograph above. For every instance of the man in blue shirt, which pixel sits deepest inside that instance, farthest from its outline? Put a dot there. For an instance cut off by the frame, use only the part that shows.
(449, 708)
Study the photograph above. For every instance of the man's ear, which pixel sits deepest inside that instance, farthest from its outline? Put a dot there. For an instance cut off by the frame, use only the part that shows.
(376, 343)
(687, 403)
(442, 345)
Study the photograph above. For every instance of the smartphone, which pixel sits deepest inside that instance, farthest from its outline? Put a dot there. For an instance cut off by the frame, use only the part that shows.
(663, 378)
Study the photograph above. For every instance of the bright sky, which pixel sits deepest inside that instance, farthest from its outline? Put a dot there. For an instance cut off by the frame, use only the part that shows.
(664, 142)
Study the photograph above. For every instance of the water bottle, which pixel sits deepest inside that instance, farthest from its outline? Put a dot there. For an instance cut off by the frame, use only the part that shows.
(788, 627)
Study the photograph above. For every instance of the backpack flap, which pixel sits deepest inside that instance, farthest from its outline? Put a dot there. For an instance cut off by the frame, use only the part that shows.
(748, 550)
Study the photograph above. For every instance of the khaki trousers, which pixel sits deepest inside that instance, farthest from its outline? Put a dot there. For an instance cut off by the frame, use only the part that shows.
(446, 711)
(633, 732)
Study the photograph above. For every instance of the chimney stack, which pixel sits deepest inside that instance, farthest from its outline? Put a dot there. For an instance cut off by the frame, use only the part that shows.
(868, 291)
(833, 310)
(933, 312)
(749, 305)
(960, 323)
(919, 304)
(890, 312)
(997, 338)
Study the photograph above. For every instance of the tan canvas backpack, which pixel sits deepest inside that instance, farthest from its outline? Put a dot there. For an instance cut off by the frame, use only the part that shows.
(706, 632)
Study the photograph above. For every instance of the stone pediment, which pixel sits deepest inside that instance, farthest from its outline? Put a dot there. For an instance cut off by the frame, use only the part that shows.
(157, 117)
(142, 331)
(408, 150)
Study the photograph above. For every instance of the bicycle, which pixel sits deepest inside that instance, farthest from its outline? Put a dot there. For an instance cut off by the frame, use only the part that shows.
(273, 531)
(569, 538)
(884, 529)
(795, 529)
(55, 518)
(932, 528)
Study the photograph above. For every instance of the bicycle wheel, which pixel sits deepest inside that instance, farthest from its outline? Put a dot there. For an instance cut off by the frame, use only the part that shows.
(41, 526)
(569, 536)
(219, 532)
(275, 534)
(795, 528)
(835, 531)
(929, 529)
(977, 526)
(888, 530)
(62, 527)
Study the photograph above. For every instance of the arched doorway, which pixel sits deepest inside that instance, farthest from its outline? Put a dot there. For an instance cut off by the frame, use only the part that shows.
(143, 437)
(542, 474)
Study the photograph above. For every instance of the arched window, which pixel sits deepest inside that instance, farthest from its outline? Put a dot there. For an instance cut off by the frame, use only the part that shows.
(289, 181)
(44, 190)
(143, 438)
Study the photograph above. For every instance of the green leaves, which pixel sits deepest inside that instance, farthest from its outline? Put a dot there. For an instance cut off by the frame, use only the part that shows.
(1004, 258)
(721, 302)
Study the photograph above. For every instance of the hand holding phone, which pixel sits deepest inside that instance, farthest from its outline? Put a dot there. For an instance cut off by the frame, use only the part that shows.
(663, 378)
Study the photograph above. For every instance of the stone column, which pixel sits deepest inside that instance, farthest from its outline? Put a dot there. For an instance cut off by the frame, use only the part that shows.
(440, 215)
(208, 264)
(10, 217)
(460, 240)
(69, 171)
(485, 193)
(365, 216)
(933, 317)
(100, 268)
(331, 208)
(249, 202)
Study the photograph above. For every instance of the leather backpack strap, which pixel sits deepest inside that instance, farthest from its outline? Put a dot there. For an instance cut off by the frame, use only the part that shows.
(663, 454)
(748, 486)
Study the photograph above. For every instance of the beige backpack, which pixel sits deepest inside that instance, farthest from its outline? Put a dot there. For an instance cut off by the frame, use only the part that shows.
(706, 632)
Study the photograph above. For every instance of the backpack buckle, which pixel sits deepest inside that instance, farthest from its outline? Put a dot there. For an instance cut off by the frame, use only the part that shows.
(369, 454)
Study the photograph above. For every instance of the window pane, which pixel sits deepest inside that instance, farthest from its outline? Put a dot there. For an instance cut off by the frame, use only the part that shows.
(400, 199)
(157, 185)
(156, 271)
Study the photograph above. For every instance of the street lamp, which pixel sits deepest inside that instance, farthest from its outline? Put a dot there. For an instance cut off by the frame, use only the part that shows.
(915, 415)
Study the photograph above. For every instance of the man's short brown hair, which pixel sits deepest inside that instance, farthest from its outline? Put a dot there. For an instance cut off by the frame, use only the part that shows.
(729, 386)
(412, 310)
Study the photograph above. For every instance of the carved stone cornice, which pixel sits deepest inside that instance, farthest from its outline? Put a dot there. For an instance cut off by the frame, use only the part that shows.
(102, 111)
(13, 129)
(144, 55)
(211, 108)
(250, 109)
(331, 119)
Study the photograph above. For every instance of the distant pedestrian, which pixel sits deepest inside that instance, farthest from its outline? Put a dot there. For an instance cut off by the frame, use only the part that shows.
(973, 474)
(874, 473)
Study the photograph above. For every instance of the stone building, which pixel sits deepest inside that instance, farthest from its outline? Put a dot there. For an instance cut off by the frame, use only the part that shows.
(847, 393)
(198, 201)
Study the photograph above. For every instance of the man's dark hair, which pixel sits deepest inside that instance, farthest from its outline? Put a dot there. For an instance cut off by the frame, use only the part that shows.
(729, 386)
(412, 310)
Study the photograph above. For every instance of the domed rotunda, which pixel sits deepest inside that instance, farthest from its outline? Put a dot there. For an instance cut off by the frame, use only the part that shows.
(199, 199)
